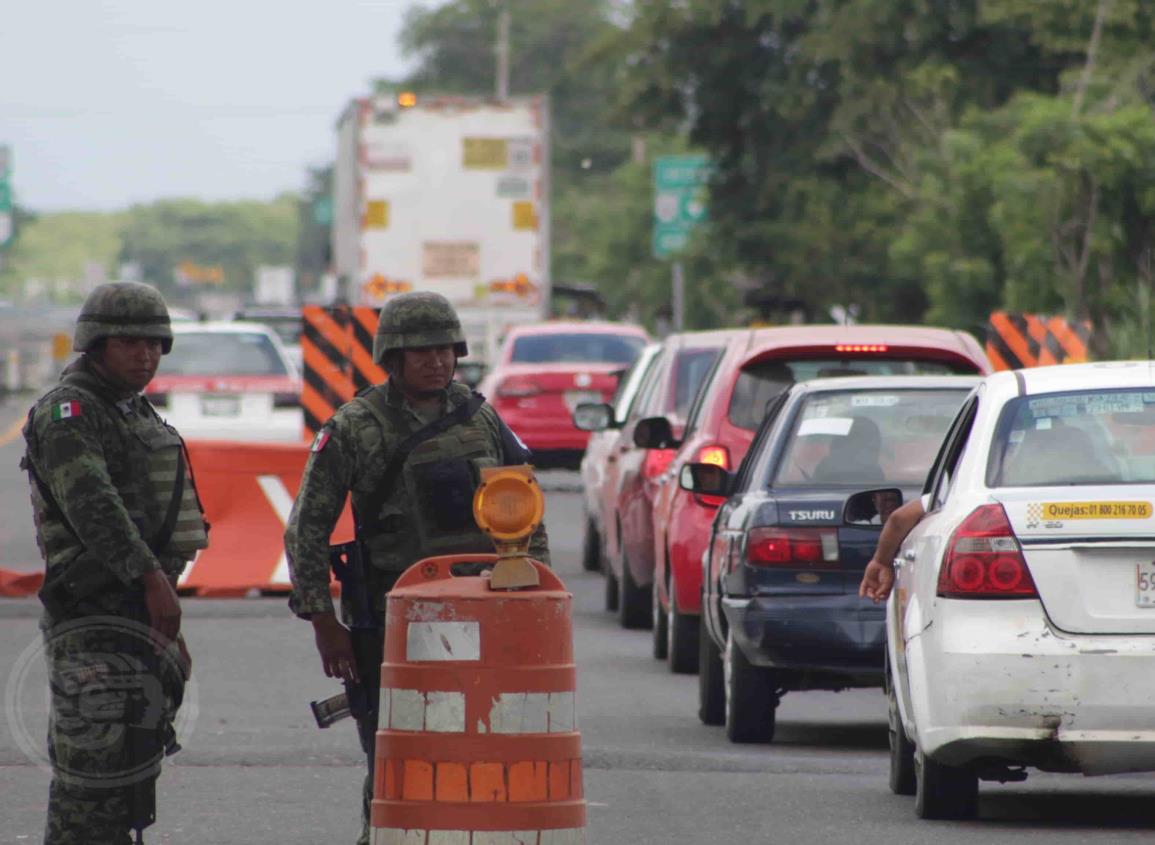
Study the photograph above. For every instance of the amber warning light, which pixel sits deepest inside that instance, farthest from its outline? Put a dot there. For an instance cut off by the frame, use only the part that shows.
(407, 99)
(509, 506)
(861, 347)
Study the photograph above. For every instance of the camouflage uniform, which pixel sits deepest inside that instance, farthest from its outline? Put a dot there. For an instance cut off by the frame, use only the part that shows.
(428, 508)
(104, 475)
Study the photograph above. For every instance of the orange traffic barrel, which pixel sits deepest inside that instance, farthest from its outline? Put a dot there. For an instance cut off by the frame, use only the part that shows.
(477, 738)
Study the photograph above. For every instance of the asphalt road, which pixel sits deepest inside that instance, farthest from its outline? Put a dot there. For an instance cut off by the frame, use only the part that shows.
(254, 768)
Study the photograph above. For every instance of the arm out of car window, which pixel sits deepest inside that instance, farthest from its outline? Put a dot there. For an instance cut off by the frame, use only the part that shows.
(878, 579)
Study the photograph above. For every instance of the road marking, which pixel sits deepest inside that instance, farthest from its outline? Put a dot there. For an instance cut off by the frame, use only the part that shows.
(13, 431)
(282, 502)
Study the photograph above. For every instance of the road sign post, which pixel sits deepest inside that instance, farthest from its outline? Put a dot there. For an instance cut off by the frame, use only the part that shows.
(5, 195)
(679, 201)
(679, 206)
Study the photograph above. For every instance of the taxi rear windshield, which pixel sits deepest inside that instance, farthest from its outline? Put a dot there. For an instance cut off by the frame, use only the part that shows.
(561, 348)
(883, 438)
(1086, 437)
(222, 354)
(763, 380)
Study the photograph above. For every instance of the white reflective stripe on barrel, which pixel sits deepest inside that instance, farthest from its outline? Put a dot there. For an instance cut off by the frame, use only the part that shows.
(444, 712)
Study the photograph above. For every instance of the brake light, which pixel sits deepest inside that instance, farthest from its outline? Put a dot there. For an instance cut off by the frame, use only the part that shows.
(984, 560)
(517, 387)
(861, 347)
(798, 548)
(288, 399)
(656, 462)
(718, 456)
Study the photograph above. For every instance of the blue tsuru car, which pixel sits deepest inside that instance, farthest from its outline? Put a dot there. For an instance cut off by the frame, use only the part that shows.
(780, 608)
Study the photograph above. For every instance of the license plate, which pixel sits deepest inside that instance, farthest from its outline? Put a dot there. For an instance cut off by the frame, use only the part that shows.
(1145, 584)
(221, 406)
(573, 398)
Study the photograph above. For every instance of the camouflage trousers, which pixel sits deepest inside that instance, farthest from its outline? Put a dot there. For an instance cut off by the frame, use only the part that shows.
(112, 703)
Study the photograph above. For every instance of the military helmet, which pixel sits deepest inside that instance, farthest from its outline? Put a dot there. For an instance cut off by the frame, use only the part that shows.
(122, 309)
(418, 319)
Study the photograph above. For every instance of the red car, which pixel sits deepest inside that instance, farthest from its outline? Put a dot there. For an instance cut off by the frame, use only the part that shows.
(758, 365)
(545, 370)
(631, 474)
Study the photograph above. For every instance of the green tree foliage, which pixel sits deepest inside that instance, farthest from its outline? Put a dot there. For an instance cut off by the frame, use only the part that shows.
(550, 46)
(62, 247)
(235, 236)
(914, 154)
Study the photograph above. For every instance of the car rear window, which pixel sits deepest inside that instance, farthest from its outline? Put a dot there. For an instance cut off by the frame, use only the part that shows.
(1087, 437)
(874, 437)
(692, 367)
(222, 354)
(577, 347)
(762, 380)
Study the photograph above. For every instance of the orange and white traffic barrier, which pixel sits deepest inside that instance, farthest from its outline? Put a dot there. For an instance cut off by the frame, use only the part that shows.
(477, 739)
(247, 491)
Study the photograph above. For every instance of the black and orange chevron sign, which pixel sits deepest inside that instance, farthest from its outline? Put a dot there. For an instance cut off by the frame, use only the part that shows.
(1015, 341)
(337, 348)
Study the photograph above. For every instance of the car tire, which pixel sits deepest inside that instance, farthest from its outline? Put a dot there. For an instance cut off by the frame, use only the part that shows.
(683, 638)
(591, 548)
(661, 629)
(902, 774)
(944, 792)
(751, 697)
(611, 588)
(633, 601)
(711, 681)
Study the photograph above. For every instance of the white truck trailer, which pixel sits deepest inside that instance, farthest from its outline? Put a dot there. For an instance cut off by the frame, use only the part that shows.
(447, 194)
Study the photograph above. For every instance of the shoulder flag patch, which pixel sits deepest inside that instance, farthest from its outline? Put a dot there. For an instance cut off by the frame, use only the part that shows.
(321, 439)
(66, 410)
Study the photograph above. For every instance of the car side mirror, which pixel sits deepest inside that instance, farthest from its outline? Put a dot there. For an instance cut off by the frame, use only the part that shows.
(593, 417)
(654, 433)
(705, 479)
(872, 507)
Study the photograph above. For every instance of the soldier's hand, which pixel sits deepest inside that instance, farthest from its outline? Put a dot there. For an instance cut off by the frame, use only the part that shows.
(163, 607)
(335, 647)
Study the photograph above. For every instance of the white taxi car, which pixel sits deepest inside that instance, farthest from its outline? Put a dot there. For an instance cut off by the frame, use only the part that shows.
(1021, 630)
(229, 381)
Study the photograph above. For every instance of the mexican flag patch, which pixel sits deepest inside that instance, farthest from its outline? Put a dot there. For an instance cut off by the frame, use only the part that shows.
(321, 439)
(66, 410)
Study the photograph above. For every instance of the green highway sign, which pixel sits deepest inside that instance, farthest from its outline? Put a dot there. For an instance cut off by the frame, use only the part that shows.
(679, 200)
(5, 195)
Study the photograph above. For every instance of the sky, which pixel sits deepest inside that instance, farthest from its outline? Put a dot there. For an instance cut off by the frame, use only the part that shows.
(107, 103)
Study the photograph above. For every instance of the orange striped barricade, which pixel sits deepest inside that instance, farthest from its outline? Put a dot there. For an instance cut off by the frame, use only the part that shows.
(1015, 341)
(477, 739)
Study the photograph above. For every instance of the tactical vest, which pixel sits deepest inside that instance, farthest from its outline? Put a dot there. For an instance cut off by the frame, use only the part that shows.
(439, 478)
(147, 442)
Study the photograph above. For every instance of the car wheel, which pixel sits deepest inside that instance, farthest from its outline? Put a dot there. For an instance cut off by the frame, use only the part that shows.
(751, 697)
(591, 548)
(683, 650)
(944, 792)
(633, 601)
(711, 683)
(611, 588)
(902, 775)
(661, 629)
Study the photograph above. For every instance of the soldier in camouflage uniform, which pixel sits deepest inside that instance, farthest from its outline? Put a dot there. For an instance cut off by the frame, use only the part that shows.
(423, 509)
(117, 518)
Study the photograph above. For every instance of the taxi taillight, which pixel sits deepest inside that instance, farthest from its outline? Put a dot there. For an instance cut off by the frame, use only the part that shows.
(984, 559)
(797, 548)
(656, 462)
